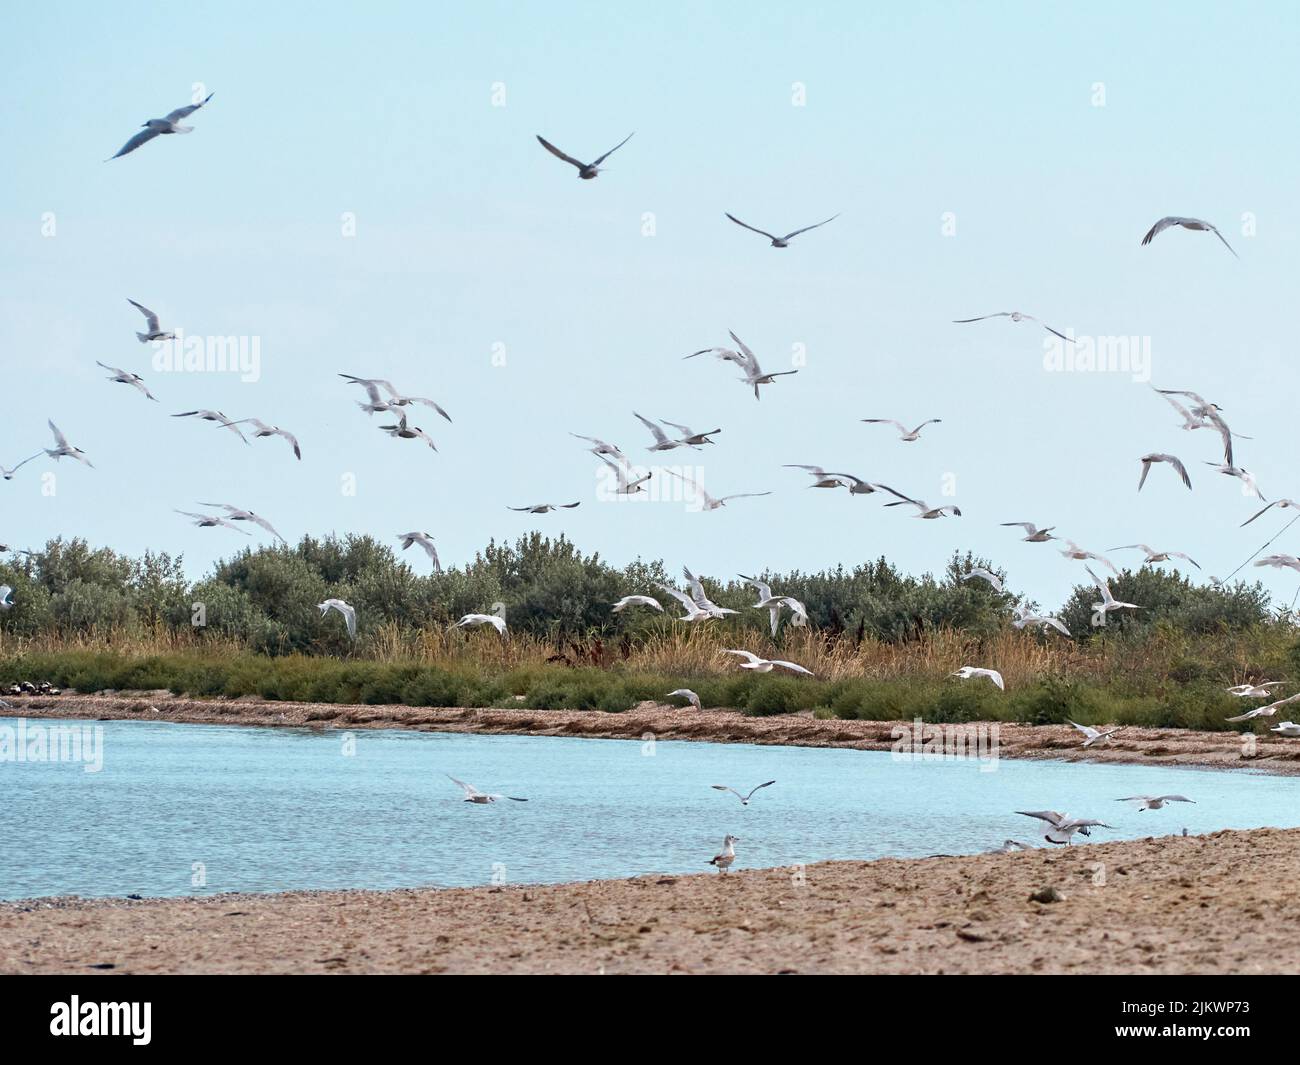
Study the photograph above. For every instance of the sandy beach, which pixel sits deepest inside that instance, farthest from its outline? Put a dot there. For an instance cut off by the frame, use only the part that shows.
(1166, 905)
(1145, 746)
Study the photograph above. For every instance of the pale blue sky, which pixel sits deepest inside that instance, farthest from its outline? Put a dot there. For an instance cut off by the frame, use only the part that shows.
(470, 235)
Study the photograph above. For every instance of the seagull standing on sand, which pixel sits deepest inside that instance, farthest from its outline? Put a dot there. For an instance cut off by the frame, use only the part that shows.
(426, 544)
(966, 672)
(1061, 827)
(905, 434)
(779, 242)
(155, 331)
(688, 695)
(765, 665)
(586, 171)
(1154, 802)
(349, 614)
(472, 794)
(1186, 223)
(1092, 735)
(1173, 460)
(498, 623)
(156, 127)
(744, 799)
(1015, 316)
(727, 856)
(124, 377)
(62, 448)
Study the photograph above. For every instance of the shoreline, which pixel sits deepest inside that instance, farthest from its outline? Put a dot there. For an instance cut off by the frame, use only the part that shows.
(1134, 745)
(1123, 907)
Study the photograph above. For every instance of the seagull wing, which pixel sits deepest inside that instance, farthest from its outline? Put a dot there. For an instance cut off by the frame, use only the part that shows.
(183, 112)
(752, 229)
(601, 158)
(791, 236)
(760, 788)
(660, 436)
(143, 137)
(149, 316)
(559, 154)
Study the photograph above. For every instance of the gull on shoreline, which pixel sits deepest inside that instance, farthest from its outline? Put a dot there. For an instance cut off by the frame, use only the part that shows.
(1062, 827)
(726, 856)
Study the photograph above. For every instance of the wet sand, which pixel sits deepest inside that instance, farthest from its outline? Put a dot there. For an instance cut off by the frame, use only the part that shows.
(1146, 746)
(1210, 904)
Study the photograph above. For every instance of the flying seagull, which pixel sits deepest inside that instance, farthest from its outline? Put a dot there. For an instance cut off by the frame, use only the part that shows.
(1245, 476)
(906, 435)
(923, 509)
(262, 430)
(1281, 504)
(690, 437)
(6, 597)
(426, 543)
(124, 377)
(1173, 460)
(688, 695)
(708, 502)
(1109, 602)
(1061, 827)
(662, 440)
(1015, 316)
(403, 431)
(985, 575)
(349, 614)
(602, 448)
(1042, 621)
(8, 473)
(396, 398)
(1074, 551)
(1154, 802)
(212, 521)
(765, 665)
(625, 487)
(472, 794)
(1034, 534)
(1092, 735)
(155, 331)
(62, 448)
(213, 416)
(155, 127)
(779, 242)
(546, 508)
(823, 479)
(1157, 556)
(744, 799)
(1286, 728)
(1262, 690)
(637, 600)
(727, 856)
(1186, 223)
(754, 375)
(238, 514)
(498, 623)
(966, 672)
(586, 171)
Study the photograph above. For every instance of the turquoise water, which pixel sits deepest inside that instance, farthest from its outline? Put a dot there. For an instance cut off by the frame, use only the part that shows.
(278, 809)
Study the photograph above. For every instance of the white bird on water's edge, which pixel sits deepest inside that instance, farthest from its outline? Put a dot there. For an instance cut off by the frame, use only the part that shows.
(472, 794)
(744, 799)
(1061, 827)
(156, 127)
(349, 614)
(724, 859)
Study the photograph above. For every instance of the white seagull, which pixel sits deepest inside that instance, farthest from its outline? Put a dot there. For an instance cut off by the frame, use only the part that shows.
(754, 375)
(637, 600)
(602, 447)
(765, 665)
(1062, 827)
(727, 856)
(708, 502)
(1043, 621)
(744, 799)
(779, 242)
(1265, 711)
(545, 508)
(1015, 316)
(966, 672)
(1157, 556)
(1173, 460)
(403, 431)
(155, 127)
(1280, 562)
(985, 575)
(586, 171)
(62, 448)
(1108, 601)
(625, 487)
(1286, 728)
(1154, 802)
(212, 521)
(688, 695)
(472, 794)
(823, 479)
(349, 614)
(261, 430)
(1034, 534)
(239, 514)
(8, 472)
(773, 604)
(1281, 504)
(1262, 690)
(6, 597)
(1245, 476)
(426, 543)
(396, 398)
(213, 416)
(125, 377)
(1095, 735)
(923, 509)
(1186, 223)
(156, 332)
(498, 623)
(905, 434)
(1074, 551)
